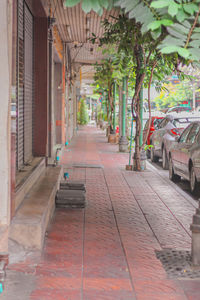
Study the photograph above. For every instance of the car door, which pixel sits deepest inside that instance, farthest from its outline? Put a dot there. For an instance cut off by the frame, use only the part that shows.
(187, 148)
(158, 135)
(176, 150)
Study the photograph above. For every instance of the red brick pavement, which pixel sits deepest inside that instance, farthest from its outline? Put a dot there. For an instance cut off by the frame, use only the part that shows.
(107, 250)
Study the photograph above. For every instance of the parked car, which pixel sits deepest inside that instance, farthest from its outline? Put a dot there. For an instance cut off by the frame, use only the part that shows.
(155, 121)
(184, 157)
(161, 139)
(178, 109)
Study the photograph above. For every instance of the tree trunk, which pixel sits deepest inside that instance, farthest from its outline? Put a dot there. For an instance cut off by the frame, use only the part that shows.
(140, 75)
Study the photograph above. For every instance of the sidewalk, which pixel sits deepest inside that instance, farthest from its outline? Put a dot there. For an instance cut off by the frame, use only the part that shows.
(107, 250)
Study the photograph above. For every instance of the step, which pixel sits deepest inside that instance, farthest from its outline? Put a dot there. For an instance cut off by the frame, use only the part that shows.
(70, 198)
(72, 186)
(29, 225)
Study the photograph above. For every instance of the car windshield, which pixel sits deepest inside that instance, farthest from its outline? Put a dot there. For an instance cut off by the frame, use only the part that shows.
(180, 123)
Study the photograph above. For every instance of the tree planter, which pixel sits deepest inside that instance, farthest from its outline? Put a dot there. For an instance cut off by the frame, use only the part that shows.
(112, 138)
(143, 158)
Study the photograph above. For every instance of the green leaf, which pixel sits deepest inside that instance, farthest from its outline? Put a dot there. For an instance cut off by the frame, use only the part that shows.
(190, 8)
(195, 44)
(171, 41)
(183, 52)
(70, 3)
(160, 3)
(195, 53)
(104, 3)
(187, 24)
(177, 34)
(87, 6)
(169, 49)
(181, 15)
(155, 34)
(95, 5)
(173, 9)
(196, 36)
(197, 29)
(167, 22)
(100, 11)
(154, 25)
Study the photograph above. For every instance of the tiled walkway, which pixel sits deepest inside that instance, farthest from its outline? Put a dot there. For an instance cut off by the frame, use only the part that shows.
(107, 250)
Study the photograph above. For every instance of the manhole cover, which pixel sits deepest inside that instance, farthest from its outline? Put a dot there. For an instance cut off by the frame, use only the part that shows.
(177, 263)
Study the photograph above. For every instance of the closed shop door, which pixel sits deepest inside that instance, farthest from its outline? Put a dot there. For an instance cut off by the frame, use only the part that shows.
(20, 86)
(28, 84)
(24, 85)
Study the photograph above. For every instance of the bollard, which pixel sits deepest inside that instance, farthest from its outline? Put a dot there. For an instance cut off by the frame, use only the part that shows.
(195, 228)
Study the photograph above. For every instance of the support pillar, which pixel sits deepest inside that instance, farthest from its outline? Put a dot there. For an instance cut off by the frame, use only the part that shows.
(195, 228)
(114, 107)
(141, 115)
(123, 143)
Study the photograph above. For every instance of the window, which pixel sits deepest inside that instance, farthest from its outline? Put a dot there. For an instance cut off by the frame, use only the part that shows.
(184, 135)
(164, 122)
(193, 133)
(156, 123)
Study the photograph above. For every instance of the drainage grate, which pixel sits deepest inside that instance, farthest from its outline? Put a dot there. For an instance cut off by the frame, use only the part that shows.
(177, 263)
(82, 165)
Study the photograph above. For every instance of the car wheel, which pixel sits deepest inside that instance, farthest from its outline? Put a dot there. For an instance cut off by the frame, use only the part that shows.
(194, 185)
(172, 176)
(165, 162)
(152, 156)
(148, 153)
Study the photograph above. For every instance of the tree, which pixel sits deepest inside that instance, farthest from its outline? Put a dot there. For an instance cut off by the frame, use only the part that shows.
(179, 18)
(112, 69)
(143, 36)
(139, 52)
(83, 114)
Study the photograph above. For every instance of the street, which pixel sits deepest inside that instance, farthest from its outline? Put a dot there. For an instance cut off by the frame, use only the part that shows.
(183, 185)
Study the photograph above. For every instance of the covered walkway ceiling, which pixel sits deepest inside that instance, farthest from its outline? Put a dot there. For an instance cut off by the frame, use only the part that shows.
(76, 28)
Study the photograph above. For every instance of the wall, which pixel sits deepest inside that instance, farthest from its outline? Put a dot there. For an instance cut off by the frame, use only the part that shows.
(5, 71)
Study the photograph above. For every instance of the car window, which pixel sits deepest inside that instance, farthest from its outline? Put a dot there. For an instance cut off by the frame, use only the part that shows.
(193, 133)
(157, 123)
(146, 125)
(180, 123)
(164, 123)
(184, 135)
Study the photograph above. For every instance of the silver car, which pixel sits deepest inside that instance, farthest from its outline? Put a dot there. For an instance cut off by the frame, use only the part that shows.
(184, 157)
(161, 139)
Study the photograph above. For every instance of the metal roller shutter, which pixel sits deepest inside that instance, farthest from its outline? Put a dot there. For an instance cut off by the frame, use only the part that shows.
(28, 84)
(20, 86)
(24, 85)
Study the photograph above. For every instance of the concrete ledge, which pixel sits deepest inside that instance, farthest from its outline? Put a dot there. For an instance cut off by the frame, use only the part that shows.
(29, 225)
(30, 176)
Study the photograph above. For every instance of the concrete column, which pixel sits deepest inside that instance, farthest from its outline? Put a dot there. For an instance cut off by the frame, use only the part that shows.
(114, 105)
(75, 110)
(123, 143)
(58, 101)
(5, 115)
(195, 228)
(141, 115)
